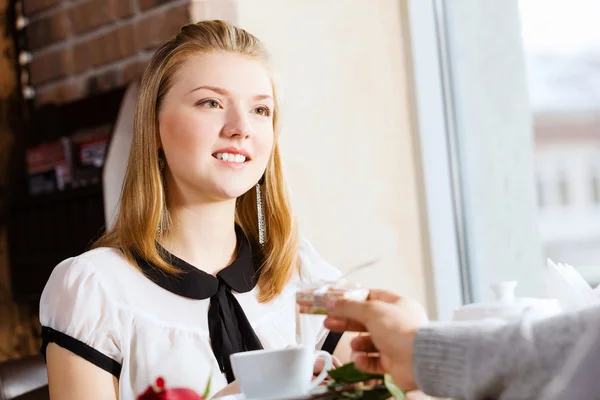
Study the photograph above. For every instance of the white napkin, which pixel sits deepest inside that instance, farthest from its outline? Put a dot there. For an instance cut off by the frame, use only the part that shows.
(565, 284)
(597, 291)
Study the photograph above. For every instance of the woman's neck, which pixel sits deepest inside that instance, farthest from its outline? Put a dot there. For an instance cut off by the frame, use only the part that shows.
(203, 234)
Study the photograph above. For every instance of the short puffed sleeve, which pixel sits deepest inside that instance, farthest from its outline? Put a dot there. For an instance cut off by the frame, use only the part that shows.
(77, 313)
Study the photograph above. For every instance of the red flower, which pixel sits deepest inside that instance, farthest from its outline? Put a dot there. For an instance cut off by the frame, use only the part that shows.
(160, 392)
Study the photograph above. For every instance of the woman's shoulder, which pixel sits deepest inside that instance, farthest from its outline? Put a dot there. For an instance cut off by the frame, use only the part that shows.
(93, 272)
(313, 267)
(100, 255)
(78, 309)
(100, 263)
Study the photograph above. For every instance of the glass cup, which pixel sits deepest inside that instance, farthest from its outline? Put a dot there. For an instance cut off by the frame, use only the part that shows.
(312, 298)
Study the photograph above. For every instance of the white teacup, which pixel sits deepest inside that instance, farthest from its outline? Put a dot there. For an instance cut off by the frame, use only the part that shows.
(278, 374)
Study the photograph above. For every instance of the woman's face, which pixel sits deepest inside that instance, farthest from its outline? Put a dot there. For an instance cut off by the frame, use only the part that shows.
(216, 126)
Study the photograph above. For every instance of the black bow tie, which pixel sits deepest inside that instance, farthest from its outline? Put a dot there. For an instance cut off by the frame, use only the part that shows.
(229, 328)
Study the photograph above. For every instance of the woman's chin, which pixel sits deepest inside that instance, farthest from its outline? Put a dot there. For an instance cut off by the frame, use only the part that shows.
(232, 192)
(213, 190)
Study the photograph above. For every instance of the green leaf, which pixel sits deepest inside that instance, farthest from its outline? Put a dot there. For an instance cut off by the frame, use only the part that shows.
(348, 373)
(207, 388)
(393, 389)
(376, 394)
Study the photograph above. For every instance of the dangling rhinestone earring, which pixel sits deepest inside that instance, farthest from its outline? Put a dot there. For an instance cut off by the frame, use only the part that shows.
(260, 212)
(161, 167)
(163, 225)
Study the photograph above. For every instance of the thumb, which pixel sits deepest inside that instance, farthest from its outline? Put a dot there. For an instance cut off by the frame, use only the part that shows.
(384, 296)
(359, 311)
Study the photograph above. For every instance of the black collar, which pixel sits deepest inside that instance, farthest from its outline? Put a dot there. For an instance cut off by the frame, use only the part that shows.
(240, 276)
(229, 328)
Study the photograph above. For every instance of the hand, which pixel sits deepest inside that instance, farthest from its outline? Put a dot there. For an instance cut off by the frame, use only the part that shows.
(320, 364)
(232, 388)
(417, 395)
(392, 322)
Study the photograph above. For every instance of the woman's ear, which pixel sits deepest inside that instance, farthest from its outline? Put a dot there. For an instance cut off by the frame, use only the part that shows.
(158, 141)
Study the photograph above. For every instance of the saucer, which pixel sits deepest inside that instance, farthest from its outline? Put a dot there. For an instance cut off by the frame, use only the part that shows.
(240, 396)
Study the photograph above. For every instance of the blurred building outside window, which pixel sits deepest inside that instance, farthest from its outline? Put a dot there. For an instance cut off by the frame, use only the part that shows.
(562, 48)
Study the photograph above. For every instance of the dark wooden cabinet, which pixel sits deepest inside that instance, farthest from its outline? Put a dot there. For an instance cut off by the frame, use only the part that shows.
(45, 229)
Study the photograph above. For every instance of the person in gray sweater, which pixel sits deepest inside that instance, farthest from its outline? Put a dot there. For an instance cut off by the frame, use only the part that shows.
(528, 359)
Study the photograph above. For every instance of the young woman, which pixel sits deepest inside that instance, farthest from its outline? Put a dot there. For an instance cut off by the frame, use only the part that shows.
(204, 257)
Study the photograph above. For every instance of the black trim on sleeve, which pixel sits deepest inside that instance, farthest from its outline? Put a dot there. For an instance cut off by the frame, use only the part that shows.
(83, 350)
(331, 341)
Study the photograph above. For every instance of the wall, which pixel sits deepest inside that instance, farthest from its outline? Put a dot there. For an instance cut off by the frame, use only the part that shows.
(80, 47)
(349, 144)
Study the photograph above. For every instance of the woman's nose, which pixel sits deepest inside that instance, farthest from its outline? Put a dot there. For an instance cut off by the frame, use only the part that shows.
(237, 124)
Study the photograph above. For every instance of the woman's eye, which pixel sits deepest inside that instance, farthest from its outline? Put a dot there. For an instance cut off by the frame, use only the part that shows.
(264, 111)
(210, 103)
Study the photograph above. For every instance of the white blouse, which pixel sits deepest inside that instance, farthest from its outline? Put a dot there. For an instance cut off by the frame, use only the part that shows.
(139, 326)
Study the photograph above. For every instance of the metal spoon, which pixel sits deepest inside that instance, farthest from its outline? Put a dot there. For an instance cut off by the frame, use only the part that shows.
(358, 268)
(352, 270)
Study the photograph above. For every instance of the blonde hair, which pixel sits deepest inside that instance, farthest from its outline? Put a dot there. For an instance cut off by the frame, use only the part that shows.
(143, 207)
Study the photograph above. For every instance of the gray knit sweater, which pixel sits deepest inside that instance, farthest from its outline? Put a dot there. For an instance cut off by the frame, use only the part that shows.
(494, 360)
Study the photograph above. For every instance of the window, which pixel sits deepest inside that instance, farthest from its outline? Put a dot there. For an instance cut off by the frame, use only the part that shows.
(541, 192)
(509, 72)
(563, 190)
(595, 185)
(562, 48)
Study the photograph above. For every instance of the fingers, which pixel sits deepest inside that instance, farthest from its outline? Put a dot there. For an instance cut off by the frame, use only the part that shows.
(359, 311)
(318, 367)
(320, 364)
(367, 363)
(417, 395)
(363, 344)
(349, 315)
(383, 295)
(342, 325)
(336, 362)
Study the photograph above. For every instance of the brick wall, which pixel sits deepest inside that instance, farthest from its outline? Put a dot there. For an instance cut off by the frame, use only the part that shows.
(80, 47)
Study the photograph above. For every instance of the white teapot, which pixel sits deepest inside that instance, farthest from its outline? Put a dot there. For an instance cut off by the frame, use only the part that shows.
(507, 307)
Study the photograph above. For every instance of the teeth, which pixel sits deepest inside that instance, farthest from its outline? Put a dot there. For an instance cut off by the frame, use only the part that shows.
(237, 158)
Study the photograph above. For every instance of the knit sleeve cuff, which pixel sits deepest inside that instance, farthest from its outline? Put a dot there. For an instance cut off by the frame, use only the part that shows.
(441, 357)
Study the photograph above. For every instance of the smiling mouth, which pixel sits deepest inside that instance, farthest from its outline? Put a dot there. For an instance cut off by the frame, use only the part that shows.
(230, 157)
